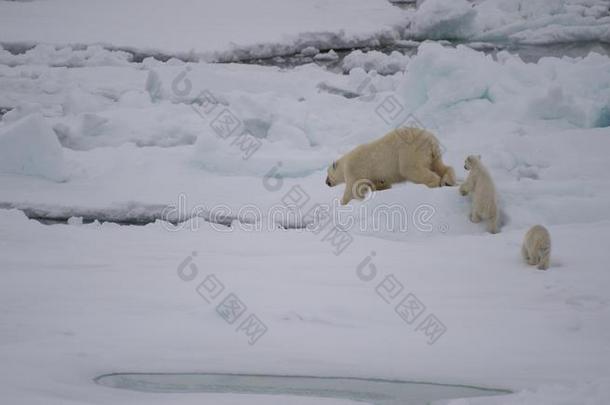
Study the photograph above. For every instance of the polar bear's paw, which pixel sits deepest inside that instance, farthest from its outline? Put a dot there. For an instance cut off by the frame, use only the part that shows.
(474, 218)
(448, 178)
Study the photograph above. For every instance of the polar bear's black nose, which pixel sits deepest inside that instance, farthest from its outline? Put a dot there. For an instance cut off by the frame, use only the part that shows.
(328, 182)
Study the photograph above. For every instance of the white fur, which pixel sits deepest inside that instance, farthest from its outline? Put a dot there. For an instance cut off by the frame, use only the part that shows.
(405, 154)
(536, 249)
(481, 187)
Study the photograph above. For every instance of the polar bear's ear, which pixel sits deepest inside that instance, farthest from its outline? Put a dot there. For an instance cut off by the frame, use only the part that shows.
(334, 165)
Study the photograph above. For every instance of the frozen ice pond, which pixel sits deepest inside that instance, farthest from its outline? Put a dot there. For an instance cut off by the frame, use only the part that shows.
(373, 391)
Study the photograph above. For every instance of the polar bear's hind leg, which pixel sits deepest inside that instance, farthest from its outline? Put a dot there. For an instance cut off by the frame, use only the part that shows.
(417, 173)
(525, 254)
(448, 178)
(493, 225)
(446, 172)
(474, 217)
(545, 258)
(420, 175)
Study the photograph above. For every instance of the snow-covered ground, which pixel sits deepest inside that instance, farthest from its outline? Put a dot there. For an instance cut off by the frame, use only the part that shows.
(86, 131)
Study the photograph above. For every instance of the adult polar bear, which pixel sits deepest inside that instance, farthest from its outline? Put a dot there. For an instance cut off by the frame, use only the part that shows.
(404, 154)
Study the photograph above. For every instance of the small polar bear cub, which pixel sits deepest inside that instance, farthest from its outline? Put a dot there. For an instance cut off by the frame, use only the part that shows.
(404, 154)
(481, 187)
(536, 249)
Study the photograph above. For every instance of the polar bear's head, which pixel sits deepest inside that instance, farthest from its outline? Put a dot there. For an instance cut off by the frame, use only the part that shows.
(334, 174)
(472, 161)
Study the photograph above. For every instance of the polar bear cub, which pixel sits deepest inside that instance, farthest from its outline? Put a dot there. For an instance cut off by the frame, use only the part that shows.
(404, 154)
(481, 187)
(536, 249)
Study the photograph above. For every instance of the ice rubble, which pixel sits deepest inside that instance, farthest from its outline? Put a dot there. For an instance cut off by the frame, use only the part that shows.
(543, 21)
(452, 84)
(443, 19)
(375, 60)
(448, 85)
(507, 21)
(68, 56)
(30, 147)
